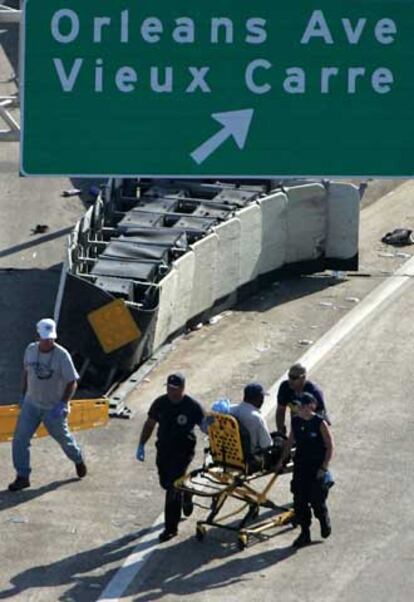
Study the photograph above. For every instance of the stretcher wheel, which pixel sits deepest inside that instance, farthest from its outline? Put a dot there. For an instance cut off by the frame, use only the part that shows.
(242, 542)
(200, 533)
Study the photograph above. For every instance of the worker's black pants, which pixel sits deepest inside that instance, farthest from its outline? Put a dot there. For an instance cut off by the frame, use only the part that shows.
(171, 466)
(309, 492)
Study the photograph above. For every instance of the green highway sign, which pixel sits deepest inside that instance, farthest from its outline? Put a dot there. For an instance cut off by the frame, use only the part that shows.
(218, 88)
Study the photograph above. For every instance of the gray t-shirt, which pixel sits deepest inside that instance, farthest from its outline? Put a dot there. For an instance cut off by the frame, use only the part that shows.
(252, 420)
(47, 375)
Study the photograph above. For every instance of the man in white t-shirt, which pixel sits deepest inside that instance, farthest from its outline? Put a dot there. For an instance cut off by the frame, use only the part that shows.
(49, 382)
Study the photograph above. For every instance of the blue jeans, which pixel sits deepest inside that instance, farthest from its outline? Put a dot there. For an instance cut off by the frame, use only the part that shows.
(27, 424)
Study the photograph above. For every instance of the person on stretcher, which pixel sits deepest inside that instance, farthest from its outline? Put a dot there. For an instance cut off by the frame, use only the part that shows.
(264, 448)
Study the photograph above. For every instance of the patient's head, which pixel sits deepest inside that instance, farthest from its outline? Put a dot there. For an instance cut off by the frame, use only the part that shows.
(254, 394)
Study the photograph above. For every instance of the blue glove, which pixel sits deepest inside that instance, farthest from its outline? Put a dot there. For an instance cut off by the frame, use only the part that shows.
(140, 455)
(209, 420)
(221, 406)
(59, 410)
(206, 422)
(326, 478)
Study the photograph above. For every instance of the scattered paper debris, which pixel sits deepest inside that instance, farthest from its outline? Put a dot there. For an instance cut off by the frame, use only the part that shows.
(17, 520)
(402, 254)
(326, 303)
(215, 319)
(352, 299)
(305, 342)
(263, 348)
(338, 275)
(71, 192)
(384, 254)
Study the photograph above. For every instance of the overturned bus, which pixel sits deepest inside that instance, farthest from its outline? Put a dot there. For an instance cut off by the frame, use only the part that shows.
(152, 257)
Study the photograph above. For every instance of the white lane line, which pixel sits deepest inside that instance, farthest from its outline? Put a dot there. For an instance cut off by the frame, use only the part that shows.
(136, 561)
(133, 564)
(346, 325)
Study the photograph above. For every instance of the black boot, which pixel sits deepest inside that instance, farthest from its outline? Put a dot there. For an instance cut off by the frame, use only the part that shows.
(325, 522)
(19, 483)
(188, 505)
(304, 538)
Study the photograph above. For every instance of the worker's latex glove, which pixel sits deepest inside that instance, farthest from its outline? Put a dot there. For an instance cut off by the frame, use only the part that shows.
(140, 455)
(206, 422)
(221, 406)
(326, 477)
(59, 410)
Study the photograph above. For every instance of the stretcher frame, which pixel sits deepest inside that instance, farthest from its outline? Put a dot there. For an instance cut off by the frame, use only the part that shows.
(226, 474)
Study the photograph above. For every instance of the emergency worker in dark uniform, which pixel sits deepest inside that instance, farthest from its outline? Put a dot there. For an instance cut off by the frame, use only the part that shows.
(311, 477)
(296, 384)
(176, 415)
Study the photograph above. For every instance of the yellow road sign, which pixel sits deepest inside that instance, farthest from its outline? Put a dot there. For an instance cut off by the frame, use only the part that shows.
(114, 325)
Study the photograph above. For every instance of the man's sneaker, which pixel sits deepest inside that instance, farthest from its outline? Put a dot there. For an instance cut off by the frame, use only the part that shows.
(188, 505)
(166, 536)
(19, 483)
(326, 529)
(81, 469)
(304, 539)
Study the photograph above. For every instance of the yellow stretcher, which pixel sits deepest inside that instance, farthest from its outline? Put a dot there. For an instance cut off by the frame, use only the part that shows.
(227, 475)
(84, 414)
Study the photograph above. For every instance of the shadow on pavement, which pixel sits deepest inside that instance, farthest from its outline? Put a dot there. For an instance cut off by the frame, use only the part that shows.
(71, 571)
(25, 297)
(183, 574)
(284, 289)
(9, 499)
(34, 243)
(189, 569)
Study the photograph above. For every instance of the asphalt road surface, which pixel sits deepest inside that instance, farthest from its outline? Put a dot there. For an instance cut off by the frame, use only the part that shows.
(65, 539)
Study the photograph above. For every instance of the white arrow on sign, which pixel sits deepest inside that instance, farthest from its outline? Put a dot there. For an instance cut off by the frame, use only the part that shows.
(235, 123)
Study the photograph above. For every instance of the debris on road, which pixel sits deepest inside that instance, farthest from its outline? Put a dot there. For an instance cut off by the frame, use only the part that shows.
(263, 348)
(215, 319)
(71, 192)
(399, 237)
(40, 229)
(338, 275)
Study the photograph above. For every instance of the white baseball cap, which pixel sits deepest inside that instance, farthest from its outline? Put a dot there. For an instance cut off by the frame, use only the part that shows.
(46, 329)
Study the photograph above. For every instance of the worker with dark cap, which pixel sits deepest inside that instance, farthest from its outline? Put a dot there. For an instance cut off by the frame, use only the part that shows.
(176, 414)
(311, 478)
(297, 383)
